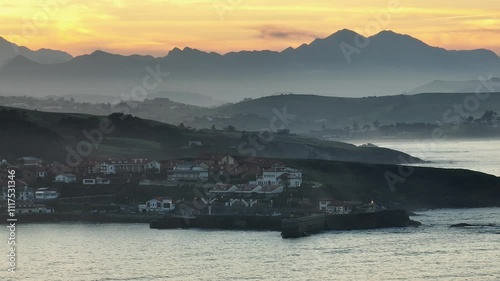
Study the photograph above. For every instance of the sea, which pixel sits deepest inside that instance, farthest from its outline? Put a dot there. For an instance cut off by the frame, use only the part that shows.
(433, 251)
(472, 154)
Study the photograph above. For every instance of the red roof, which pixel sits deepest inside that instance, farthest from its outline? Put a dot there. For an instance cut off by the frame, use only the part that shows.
(221, 187)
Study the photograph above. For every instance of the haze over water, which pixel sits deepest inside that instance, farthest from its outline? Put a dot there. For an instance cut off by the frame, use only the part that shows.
(477, 155)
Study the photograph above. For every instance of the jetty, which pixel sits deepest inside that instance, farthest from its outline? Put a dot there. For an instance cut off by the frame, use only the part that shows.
(290, 227)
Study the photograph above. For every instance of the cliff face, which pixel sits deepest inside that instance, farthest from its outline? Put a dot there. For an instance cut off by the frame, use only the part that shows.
(403, 187)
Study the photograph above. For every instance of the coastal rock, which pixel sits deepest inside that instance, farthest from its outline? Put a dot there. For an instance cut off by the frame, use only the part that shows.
(473, 225)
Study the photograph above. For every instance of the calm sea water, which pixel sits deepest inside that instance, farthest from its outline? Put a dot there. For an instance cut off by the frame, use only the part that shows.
(76, 251)
(478, 155)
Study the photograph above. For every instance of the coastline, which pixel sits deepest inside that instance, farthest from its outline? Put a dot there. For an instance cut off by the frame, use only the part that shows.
(83, 217)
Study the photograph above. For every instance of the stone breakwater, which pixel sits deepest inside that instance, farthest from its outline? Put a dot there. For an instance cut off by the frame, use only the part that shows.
(290, 227)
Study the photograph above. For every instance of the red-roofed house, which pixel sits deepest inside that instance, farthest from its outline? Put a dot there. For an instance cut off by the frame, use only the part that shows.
(215, 159)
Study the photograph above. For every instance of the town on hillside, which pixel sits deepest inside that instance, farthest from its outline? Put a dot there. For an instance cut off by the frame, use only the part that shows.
(207, 184)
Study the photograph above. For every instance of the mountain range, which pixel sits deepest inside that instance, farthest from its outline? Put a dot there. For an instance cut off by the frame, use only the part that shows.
(386, 63)
(9, 51)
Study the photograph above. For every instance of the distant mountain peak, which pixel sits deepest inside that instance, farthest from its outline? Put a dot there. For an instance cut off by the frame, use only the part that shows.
(341, 35)
(101, 53)
(343, 32)
(9, 51)
(387, 32)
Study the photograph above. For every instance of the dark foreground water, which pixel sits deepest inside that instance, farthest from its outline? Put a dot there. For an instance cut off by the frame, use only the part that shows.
(74, 251)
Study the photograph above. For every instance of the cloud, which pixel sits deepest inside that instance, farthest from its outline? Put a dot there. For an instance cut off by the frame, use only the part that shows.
(273, 32)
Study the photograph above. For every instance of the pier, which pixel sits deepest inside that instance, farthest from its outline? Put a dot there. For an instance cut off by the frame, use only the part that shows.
(289, 227)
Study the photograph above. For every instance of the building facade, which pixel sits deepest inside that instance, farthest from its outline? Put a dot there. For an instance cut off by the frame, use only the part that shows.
(46, 194)
(157, 205)
(66, 178)
(110, 167)
(187, 172)
(280, 175)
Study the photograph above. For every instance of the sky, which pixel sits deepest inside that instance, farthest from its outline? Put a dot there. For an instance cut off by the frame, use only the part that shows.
(156, 26)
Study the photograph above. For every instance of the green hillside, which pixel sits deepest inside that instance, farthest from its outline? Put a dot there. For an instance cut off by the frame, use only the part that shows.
(54, 136)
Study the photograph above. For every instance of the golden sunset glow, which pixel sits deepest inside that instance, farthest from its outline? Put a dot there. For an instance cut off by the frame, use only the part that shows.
(156, 26)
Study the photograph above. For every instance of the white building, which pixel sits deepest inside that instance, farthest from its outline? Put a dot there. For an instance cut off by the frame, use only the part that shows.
(340, 207)
(187, 172)
(97, 180)
(323, 204)
(46, 194)
(29, 161)
(110, 167)
(280, 175)
(157, 205)
(66, 178)
(23, 192)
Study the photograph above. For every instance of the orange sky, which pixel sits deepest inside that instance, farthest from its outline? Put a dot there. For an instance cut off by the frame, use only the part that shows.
(156, 26)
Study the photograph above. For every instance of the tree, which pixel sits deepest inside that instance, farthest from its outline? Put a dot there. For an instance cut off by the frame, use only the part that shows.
(355, 126)
(367, 127)
(376, 124)
(285, 180)
(230, 128)
(489, 117)
(213, 128)
(181, 125)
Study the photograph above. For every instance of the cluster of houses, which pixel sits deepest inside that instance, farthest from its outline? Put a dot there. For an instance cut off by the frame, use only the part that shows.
(90, 172)
(206, 167)
(264, 177)
(28, 200)
(260, 181)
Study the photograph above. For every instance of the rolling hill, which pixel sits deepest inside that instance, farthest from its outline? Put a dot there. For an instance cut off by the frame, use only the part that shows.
(310, 112)
(59, 136)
